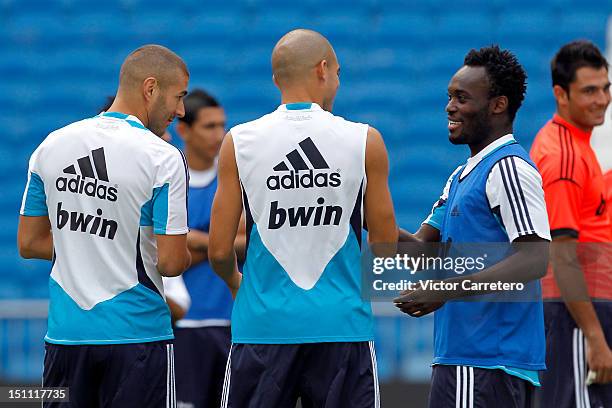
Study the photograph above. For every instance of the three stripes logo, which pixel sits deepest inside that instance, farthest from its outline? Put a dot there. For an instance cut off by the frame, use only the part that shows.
(80, 182)
(302, 174)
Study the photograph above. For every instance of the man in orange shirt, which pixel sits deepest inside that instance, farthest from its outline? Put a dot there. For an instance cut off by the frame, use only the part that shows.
(575, 194)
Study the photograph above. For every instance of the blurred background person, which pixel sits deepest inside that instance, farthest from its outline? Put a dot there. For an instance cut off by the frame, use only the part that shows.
(203, 335)
(578, 331)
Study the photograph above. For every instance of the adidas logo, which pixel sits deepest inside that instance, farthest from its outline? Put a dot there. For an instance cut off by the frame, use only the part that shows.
(455, 211)
(80, 184)
(301, 175)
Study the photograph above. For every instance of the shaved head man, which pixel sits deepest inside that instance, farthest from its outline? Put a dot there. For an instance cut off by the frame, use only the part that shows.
(152, 84)
(300, 328)
(305, 66)
(106, 201)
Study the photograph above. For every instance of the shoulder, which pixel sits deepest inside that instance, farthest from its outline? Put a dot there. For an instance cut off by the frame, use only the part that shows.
(251, 125)
(513, 166)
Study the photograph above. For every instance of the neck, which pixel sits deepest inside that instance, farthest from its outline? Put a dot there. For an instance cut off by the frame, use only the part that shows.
(566, 117)
(123, 106)
(197, 162)
(299, 95)
(494, 135)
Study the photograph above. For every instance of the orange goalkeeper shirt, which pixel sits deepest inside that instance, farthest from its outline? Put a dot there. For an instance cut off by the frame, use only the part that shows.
(575, 193)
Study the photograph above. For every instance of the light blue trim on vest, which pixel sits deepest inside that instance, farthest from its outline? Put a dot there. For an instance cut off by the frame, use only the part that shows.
(137, 315)
(119, 115)
(36, 200)
(527, 375)
(298, 106)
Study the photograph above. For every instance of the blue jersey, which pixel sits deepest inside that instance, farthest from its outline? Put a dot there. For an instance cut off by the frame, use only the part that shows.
(211, 300)
(480, 333)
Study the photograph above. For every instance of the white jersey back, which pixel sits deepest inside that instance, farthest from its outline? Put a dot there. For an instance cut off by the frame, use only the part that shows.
(108, 185)
(302, 171)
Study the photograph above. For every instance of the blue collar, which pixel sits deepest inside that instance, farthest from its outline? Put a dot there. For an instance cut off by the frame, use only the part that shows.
(131, 119)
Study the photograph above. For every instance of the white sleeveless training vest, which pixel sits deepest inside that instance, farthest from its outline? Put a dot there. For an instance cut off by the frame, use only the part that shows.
(302, 172)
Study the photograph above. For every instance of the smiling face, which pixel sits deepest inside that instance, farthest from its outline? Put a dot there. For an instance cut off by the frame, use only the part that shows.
(468, 106)
(587, 98)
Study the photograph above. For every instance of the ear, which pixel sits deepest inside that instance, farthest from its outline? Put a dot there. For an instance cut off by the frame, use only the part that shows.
(500, 104)
(321, 70)
(275, 81)
(561, 95)
(182, 130)
(149, 88)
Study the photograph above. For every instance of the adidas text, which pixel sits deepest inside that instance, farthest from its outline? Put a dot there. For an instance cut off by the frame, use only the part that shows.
(302, 216)
(307, 179)
(94, 225)
(80, 185)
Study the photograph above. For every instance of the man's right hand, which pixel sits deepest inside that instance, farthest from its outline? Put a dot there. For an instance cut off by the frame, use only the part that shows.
(599, 358)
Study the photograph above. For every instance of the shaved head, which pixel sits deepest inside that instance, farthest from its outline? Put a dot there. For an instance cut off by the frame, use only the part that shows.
(151, 61)
(297, 53)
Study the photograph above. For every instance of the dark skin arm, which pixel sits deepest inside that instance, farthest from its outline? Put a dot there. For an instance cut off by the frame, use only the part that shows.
(527, 264)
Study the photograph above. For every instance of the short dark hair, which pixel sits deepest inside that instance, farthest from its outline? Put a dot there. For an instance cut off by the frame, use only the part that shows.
(506, 75)
(573, 56)
(194, 101)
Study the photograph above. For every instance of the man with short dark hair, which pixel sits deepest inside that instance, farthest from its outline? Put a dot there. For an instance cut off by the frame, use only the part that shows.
(578, 331)
(106, 201)
(488, 350)
(202, 337)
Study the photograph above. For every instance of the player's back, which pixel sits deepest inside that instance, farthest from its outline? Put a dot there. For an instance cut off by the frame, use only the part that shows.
(302, 171)
(106, 183)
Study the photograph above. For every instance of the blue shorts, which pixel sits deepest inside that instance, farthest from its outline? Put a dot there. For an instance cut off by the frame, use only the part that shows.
(563, 383)
(200, 359)
(470, 387)
(117, 376)
(330, 375)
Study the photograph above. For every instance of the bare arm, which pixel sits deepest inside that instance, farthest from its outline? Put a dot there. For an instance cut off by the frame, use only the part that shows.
(526, 265)
(570, 279)
(225, 217)
(197, 242)
(426, 233)
(378, 207)
(172, 254)
(34, 238)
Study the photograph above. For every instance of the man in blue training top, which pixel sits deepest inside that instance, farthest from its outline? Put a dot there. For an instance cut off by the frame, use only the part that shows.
(202, 336)
(487, 353)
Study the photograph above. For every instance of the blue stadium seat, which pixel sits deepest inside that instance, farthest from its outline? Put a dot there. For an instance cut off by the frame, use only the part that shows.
(269, 25)
(530, 28)
(582, 25)
(37, 29)
(404, 28)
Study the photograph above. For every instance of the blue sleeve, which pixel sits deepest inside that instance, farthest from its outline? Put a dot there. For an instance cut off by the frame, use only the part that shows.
(436, 217)
(160, 209)
(34, 202)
